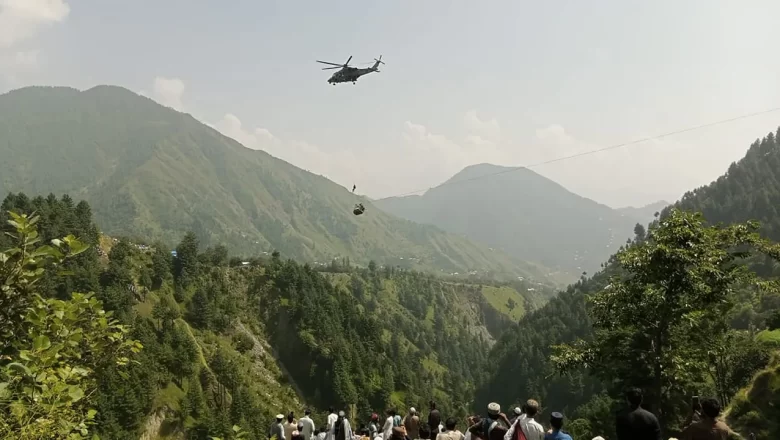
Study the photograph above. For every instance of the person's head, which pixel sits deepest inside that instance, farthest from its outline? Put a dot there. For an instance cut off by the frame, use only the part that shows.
(450, 424)
(518, 411)
(493, 409)
(425, 431)
(556, 421)
(634, 397)
(307, 412)
(331, 410)
(432, 404)
(412, 411)
(342, 415)
(316, 432)
(279, 418)
(531, 408)
(391, 411)
(290, 417)
(710, 408)
(374, 417)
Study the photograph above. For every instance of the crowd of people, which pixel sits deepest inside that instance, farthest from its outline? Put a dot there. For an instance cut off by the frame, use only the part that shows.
(634, 423)
(494, 425)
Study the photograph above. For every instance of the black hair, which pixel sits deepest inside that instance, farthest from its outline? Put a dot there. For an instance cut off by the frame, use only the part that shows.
(331, 410)
(634, 396)
(307, 412)
(557, 424)
(451, 423)
(710, 408)
(391, 411)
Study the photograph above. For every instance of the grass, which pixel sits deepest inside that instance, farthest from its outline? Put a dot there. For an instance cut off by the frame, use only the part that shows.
(499, 298)
(170, 396)
(769, 336)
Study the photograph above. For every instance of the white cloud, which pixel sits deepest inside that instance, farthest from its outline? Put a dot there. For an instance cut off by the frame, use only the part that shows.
(169, 91)
(487, 129)
(340, 166)
(22, 19)
(258, 139)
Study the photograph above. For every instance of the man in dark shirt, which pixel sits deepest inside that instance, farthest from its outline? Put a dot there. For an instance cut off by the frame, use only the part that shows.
(434, 419)
(636, 423)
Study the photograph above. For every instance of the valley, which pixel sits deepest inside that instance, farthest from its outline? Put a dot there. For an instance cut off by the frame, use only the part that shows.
(254, 291)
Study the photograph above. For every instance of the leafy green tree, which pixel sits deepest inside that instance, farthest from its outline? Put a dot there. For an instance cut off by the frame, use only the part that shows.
(161, 264)
(733, 360)
(654, 324)
(185, 267)
(52, 349)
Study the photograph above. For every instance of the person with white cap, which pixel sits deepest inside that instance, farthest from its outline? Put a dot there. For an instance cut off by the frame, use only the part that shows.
(277, 429)
(516, 413)
(529, 428)
(412, 423)
(495, 420)
(341, 429)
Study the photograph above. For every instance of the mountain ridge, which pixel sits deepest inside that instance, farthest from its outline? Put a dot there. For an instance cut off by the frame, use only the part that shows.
(153, 172)
(521, 212)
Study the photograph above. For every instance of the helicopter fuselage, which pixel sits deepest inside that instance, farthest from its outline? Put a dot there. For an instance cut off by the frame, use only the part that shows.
(349, 74)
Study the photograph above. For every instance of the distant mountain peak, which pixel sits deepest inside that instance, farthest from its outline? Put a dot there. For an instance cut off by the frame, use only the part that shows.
(522, 212)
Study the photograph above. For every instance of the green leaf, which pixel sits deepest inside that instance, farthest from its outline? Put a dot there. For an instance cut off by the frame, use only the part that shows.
(41, 343)
(19, 368)
(75, 393)
(46, 250)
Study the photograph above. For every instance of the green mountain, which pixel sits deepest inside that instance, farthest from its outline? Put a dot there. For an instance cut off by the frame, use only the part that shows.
(149, 171)
(523, 213)
(750, 190)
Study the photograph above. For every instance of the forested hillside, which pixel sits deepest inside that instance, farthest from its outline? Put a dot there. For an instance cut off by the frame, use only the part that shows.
(523, 213)
(150, 171)
(522, 366)
(229, 343)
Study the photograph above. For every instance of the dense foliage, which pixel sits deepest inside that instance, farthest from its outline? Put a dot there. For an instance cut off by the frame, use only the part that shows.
(524, 214)
(522, 364)
(149, 171)
(52, 351)
(374, 337)
(659, 324)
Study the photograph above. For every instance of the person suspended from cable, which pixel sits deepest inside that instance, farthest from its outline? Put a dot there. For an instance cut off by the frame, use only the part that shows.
(359, 209)
(354, 187)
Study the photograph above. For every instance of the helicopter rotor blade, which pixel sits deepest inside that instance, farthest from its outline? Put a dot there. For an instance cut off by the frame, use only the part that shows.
(329, 68)
(350, 59)
(332, 64)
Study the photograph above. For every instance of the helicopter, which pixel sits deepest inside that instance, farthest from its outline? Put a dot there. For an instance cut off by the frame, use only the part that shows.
(348, 73)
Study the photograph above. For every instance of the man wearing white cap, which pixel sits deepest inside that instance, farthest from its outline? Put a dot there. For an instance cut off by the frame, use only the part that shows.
(277, 429)
(412, 424)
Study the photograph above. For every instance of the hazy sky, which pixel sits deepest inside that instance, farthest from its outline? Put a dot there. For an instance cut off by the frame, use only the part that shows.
(507, 82)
